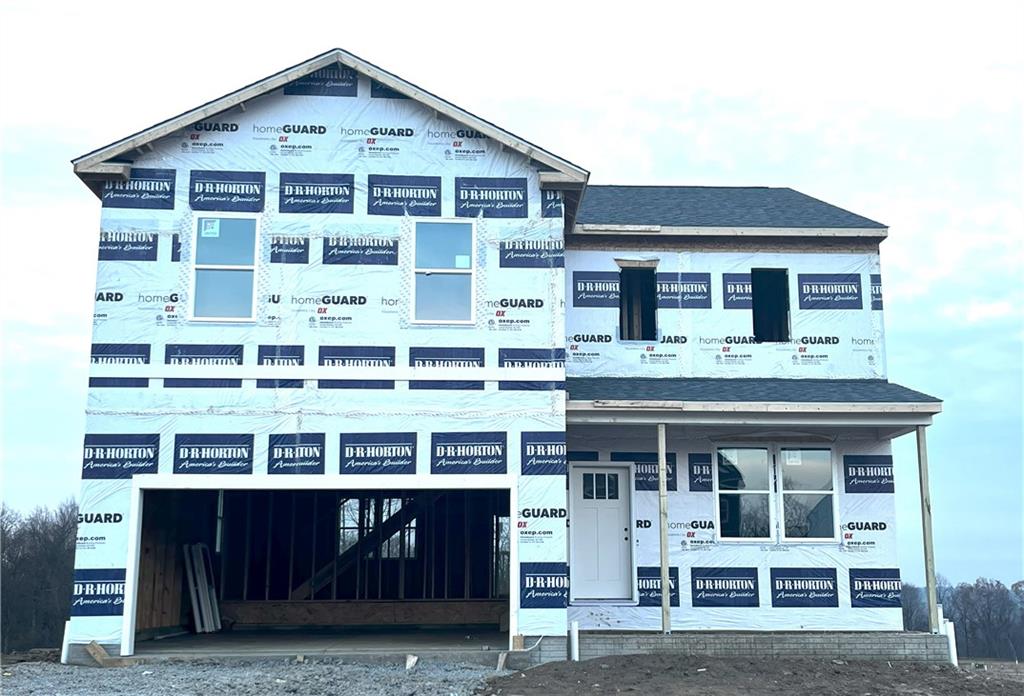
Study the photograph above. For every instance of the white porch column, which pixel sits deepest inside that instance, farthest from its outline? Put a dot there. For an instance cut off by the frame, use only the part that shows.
(666, 589)
(926, 530)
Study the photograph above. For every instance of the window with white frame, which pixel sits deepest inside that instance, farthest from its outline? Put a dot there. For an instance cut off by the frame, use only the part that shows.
(744, 493)
(756, 486)
(444, 272)
(807, 493)
(224, 276)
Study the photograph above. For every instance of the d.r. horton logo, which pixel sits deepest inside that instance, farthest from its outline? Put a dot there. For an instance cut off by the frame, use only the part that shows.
(446, 357)
(648, 580)
(830, 290)
(737, 292)
(531, 253)
(378, 453)
(876, 588)
(360, 250)
(491, 197)
(804, 587)
(213, 454)
(316, 193)
(646, 468)
(724, 587)
(229, 191)
(542, 453)
(403, 195)
(595, 289)
(98, 592)
(128, 245)
(333, 81)
(684, 290)
(469, 453)
(295, 453)
(289, 249)
(543, 585)
(868, 473)
(531, 358)
(700, 472)
(149, 189)
(119, 456)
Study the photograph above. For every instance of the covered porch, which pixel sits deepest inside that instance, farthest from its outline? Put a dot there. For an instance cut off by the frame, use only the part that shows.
(706, 437)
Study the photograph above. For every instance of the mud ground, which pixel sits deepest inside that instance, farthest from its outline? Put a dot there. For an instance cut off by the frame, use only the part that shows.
(665, 675)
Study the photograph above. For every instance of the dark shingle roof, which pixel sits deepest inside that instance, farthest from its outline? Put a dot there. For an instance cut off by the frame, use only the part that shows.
(712, 206)
(777, 390)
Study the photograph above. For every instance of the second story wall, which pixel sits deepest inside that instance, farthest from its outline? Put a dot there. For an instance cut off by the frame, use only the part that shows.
(704, 317)
(335, 176)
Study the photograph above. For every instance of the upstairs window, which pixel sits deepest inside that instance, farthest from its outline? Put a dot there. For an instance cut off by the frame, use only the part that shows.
(224, 277)
(444, 270)
(770, 302)
(638, 304)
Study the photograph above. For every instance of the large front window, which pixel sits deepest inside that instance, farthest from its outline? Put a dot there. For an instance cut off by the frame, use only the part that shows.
(225, 269)
(443, 274)
(775, 494)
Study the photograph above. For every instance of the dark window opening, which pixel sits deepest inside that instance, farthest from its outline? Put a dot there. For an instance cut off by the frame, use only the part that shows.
(769, 289)
(638, 304)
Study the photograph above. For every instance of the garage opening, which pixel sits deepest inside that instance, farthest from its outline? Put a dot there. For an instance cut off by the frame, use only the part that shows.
(327, 562)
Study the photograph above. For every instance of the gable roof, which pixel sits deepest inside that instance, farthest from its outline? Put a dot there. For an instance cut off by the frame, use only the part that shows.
(713, 206)
(110, 160)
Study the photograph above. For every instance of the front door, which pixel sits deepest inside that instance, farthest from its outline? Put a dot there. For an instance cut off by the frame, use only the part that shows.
(602, 565)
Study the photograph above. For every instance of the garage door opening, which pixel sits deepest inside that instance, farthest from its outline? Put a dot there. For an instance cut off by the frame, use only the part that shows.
(329, 563)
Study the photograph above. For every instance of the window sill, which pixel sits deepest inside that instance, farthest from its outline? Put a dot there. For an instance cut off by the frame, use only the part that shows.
(222, 320)
(453, 322)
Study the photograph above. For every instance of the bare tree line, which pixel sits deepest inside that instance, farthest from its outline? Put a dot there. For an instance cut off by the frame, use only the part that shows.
(988, 615)
(37, 556)
(37, 553)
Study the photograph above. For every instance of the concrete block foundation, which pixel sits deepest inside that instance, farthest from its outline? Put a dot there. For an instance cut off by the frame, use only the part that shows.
(874, 645)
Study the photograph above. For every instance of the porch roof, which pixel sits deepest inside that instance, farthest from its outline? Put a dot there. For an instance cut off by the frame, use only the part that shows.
(824, 405)
(743, 390)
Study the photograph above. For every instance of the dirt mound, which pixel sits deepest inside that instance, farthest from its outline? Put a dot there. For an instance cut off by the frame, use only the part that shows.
(666, 675)
(33, 655)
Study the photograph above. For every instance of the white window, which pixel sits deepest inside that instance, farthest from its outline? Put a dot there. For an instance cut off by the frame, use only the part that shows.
(443, 273)
(775, 493)
(807, 493)
(744, 493)
(224, 261)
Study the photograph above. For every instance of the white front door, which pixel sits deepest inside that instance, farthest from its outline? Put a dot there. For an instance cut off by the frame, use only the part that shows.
(602, 565)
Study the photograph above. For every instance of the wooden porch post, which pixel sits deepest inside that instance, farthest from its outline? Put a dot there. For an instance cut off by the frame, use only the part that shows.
(926, 530)
(666, 590)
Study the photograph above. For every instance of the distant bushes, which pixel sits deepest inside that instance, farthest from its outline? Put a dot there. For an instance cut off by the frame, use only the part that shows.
(988, 615)
(37, 556)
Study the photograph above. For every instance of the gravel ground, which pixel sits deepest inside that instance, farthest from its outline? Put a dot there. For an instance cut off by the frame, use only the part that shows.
(315, 676)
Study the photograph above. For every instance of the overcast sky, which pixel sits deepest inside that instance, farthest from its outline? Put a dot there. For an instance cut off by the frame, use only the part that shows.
(910, 114)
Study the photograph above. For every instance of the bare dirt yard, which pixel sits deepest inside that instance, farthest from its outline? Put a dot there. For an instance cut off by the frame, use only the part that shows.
(672, 675)
(36, 673)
